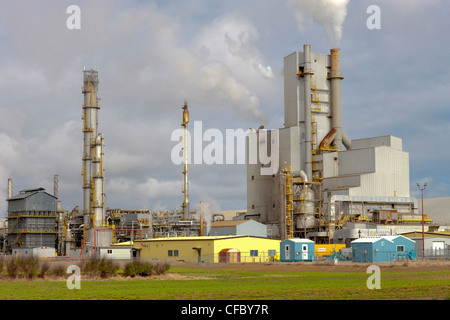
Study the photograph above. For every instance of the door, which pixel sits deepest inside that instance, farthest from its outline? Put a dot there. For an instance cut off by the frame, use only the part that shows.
(438, 248)
(287, 252)
(304, 252)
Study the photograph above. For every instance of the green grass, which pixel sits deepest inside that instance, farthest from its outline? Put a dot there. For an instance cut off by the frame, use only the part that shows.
(237, 284)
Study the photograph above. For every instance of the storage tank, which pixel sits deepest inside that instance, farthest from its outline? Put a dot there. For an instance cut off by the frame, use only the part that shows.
(306, 209)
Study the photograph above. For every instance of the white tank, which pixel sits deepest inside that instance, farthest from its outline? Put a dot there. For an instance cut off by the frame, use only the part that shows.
(306, 207)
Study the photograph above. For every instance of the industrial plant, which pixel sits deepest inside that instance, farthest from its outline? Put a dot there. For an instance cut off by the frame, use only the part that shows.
(327, 189)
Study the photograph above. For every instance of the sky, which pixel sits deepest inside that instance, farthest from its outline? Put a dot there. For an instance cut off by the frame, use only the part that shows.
(225, 58)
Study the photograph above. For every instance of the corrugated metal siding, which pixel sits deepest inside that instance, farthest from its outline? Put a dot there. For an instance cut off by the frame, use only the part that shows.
(291, 97)
(40, 201)
(356, 161)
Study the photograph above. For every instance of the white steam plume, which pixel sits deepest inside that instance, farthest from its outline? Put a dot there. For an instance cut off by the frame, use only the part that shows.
(266, 72)
(330, 14)
(205, 211)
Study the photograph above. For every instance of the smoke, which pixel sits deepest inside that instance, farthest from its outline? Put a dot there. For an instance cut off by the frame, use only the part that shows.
(330, 14)
(230, 65)
(266, 72)
(205, 211)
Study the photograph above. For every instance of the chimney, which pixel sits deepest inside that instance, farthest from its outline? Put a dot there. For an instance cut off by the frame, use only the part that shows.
(9, 188)
(336, 106)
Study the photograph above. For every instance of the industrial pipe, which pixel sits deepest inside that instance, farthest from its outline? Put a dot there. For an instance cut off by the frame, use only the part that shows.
(328, 139)
(201, 226)
(336, 103)
(346, 141)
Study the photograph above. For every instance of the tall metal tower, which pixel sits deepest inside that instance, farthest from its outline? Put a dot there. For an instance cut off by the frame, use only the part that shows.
(93, 172)
(185, 209)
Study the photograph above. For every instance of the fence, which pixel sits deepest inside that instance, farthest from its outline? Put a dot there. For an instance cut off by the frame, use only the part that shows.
(366, 255)
(434, 254)
(224, 257)
(355, 256)
(388, 256)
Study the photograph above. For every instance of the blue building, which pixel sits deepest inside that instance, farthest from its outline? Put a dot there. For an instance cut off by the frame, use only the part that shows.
(297, 249)
(381, 249)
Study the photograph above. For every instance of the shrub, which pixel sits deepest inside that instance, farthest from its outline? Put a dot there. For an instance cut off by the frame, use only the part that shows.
(107, 268)
(45, 267)
(29, 266)
(58, 270)
(145, 269)
(138, 268)
(96, 267)
(161, 268)
(90, 267)
(12, 267)
(2, 264)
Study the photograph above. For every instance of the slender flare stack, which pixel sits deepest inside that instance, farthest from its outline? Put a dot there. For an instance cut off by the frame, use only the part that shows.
(185, 210)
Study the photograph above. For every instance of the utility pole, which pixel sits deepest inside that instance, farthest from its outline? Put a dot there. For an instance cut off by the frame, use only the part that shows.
(423, 228)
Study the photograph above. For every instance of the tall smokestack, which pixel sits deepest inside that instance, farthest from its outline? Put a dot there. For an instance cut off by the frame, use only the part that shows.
(55, 185)
(307, 72)
(336, 106)
(9, 188)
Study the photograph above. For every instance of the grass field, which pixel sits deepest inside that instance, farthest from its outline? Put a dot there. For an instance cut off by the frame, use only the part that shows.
(190, 283)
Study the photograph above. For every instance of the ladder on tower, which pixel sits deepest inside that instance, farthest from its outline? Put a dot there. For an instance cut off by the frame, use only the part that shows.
(287, 171)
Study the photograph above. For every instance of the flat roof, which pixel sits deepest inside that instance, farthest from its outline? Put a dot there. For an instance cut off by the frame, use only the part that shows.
(427, 234)
(299, 240)
(200, 238)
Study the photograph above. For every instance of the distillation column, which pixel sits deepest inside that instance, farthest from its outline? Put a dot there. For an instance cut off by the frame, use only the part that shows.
(98, 194)
(93, 190)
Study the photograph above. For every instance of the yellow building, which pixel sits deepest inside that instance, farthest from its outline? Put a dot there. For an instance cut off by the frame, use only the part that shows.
(208, 249)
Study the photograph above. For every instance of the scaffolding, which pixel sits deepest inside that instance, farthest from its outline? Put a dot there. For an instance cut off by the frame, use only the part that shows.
(287, 172)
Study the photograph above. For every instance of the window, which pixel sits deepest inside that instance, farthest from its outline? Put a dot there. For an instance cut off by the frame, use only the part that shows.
(272, 253)
(400, 248)
(175, 253)
(382, 243)
(109, 251)
(253, 253)
(170, 253)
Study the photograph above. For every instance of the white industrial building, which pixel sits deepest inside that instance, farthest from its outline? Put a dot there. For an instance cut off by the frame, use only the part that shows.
(322, 178)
